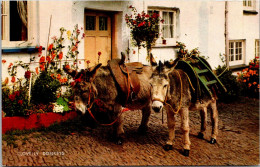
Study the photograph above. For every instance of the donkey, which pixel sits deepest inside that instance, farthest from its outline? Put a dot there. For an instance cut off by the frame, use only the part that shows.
(171, 89)
(98, 83)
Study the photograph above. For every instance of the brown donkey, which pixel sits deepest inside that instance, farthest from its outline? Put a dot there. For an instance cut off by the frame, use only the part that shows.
(99, 83)
(171, 89)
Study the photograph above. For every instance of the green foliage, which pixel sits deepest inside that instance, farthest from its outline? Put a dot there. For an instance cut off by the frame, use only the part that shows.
(44, 89)
(64, 102)
(230, 82)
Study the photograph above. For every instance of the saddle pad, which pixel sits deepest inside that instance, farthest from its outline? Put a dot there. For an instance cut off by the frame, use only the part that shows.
(121, 74)
(118, 75)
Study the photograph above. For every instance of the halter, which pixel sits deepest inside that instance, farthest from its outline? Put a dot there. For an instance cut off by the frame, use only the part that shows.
(90, 105)
(165, 100)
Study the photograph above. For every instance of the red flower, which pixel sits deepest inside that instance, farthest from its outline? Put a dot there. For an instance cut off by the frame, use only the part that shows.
(48, 58)
(147, 15)
(40, 49)
(87, 61)
(72, 84)
(13, 79)
(60, 55)
(50, 47)
(130, 6)
(10, 65)
(133, 51)
(17, 93)
(12, 97)
(37, 70)
(42, 59)
(27, 74)
(67, 66)
(53, 55)
(20, 102)
(83, 36)
(74, 48)
(3, 61)
(162, 21)
(99, 53)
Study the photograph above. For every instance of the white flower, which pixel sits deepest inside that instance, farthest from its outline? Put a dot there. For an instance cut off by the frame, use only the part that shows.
(57, 108)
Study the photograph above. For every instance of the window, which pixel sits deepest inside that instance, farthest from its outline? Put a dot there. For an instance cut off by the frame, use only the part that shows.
(168, 28)
(249, 4)
(236, 52)
(15, 23)
(257, 53)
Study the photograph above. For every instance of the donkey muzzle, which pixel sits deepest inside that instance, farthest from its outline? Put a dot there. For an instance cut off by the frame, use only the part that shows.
(157, 106)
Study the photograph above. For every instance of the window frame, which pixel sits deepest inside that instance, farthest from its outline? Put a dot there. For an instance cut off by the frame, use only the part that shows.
(31, 33)
(169, 41)
(237, 62)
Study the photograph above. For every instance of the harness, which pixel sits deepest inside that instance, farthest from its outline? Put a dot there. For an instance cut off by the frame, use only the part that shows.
(90, 105)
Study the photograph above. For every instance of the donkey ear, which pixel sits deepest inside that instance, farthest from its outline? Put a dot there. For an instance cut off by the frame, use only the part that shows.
(71, 72)
(152, 60)
(93, 71)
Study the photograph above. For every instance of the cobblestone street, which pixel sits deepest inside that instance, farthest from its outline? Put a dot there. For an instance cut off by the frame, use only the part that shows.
(237, 143)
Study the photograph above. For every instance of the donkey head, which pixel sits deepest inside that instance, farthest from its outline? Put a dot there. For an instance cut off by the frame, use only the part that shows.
(84, 89)
(159, 84)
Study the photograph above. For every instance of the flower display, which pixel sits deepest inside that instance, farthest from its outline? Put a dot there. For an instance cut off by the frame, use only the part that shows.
(144, 28)
(249, 77)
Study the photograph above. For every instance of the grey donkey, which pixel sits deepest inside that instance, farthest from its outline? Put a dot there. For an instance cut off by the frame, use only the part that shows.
(171, 89)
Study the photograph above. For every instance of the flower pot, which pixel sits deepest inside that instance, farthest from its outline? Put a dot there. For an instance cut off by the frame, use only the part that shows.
(164, 41)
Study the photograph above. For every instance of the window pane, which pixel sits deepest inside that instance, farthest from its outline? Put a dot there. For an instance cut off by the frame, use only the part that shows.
(171, 31)
(18, 20)
(90, 22)
(102, 23)
(249, 3)
(244, 2)
(166, 17)
(165, 31)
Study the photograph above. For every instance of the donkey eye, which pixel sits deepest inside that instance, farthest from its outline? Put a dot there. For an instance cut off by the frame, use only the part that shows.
(165, 86)
(151, 85)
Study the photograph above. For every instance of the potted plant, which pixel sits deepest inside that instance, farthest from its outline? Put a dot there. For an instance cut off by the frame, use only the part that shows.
(144, 30)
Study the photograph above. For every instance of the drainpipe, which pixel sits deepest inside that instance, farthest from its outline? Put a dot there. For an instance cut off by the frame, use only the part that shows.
(226, 35)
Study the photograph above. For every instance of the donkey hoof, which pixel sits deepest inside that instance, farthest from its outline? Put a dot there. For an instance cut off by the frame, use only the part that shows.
(213, 141)
(167, 147)
(186, 153)
(142, 129)
(201, 135)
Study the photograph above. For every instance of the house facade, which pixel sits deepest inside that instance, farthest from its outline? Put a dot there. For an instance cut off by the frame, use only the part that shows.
(208, 25)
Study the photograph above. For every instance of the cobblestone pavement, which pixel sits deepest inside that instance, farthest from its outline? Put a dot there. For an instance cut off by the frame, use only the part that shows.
(237, 143)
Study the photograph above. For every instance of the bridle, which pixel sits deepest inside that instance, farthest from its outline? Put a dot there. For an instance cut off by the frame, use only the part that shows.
(91, 102)
(165, 99)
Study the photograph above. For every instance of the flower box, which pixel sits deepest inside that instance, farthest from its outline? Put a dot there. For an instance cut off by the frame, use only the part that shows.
(34, 121)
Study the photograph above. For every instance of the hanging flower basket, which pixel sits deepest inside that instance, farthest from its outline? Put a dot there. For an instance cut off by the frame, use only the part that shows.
(35, 121)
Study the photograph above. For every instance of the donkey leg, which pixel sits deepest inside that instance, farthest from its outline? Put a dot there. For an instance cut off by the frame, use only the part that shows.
(203, 115)
(214, 121)
(171, 128)
(118, 126)
(186, 130)
(146, 112)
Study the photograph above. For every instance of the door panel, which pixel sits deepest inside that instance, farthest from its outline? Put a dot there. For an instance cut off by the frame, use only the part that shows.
(98, 37)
